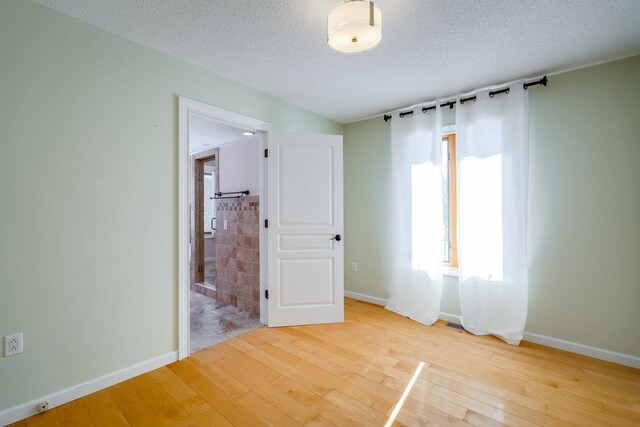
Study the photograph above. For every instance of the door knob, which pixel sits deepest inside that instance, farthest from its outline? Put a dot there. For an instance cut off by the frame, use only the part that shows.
(337, 237)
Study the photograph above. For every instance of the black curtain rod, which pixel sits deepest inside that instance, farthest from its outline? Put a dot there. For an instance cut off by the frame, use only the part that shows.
(449, 104)
(471, 98)
(496, 92)
(543, 81)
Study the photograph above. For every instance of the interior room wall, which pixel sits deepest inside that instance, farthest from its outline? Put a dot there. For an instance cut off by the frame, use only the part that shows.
(89, 188)
(584, 205)
(367, 214)
(239, 164)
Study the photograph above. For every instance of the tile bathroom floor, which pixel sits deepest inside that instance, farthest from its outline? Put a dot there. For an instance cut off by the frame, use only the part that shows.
(213, 322)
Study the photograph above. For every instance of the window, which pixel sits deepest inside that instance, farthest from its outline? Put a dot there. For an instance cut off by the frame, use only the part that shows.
(450, 255)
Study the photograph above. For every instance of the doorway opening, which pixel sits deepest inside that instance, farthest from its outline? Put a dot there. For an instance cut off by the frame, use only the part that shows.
(304, 266)
(190, 111)
(224, 215)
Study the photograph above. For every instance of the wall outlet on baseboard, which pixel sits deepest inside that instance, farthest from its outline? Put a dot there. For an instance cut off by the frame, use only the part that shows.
(354, 266)
(43, 406)
(12, 344)
(224, 224)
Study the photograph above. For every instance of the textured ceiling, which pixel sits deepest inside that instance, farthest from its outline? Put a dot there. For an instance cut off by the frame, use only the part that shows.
(205, 133)
(429, 48)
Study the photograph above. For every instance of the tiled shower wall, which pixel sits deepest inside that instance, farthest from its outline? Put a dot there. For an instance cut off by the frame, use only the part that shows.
(238, 253)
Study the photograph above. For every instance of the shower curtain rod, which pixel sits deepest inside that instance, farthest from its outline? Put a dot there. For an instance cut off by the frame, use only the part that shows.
(543, 81)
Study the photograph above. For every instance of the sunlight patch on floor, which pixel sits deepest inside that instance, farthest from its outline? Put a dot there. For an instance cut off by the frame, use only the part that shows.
(406, 392)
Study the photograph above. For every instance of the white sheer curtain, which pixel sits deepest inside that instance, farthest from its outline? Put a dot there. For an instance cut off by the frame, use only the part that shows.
(416, 216)
(492, 151)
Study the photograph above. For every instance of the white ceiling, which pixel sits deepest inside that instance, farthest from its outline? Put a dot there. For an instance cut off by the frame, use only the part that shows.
(205, 133)
(430, 48)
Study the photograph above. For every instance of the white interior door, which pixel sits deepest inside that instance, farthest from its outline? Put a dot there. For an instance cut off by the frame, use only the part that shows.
(305, 249)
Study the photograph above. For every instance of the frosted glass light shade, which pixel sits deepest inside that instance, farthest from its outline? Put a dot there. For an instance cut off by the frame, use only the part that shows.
(354, 26)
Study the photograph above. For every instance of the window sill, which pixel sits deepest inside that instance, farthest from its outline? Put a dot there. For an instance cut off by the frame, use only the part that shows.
(450, 271)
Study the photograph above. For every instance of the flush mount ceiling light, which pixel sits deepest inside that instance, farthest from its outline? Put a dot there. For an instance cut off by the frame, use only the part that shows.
(354, 26)
(247, 133)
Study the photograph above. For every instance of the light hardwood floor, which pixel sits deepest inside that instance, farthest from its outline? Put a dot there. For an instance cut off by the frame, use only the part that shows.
(357, 373)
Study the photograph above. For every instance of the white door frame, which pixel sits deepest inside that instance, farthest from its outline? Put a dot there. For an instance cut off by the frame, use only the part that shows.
(187, 106)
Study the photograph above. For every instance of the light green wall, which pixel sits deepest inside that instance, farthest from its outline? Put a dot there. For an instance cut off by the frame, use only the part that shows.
(584, 228)
(88, 186)
(584, 208)
(367, 194)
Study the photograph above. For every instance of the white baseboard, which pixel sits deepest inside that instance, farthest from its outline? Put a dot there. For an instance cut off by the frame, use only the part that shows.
(573, 347)
(585, 350)
(366, 298)
(61, 397)
(453, 318)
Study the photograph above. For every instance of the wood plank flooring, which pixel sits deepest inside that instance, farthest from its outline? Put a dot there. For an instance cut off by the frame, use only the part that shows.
(375, 369)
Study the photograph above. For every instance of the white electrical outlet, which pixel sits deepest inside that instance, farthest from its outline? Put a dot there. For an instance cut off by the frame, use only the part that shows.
(224, 224)
(354, 266)
(43, 406)
(12, 344)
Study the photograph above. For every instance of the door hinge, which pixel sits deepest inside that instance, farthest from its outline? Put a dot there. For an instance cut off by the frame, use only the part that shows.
(266, 223)
(266, 153)
(266, 293)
